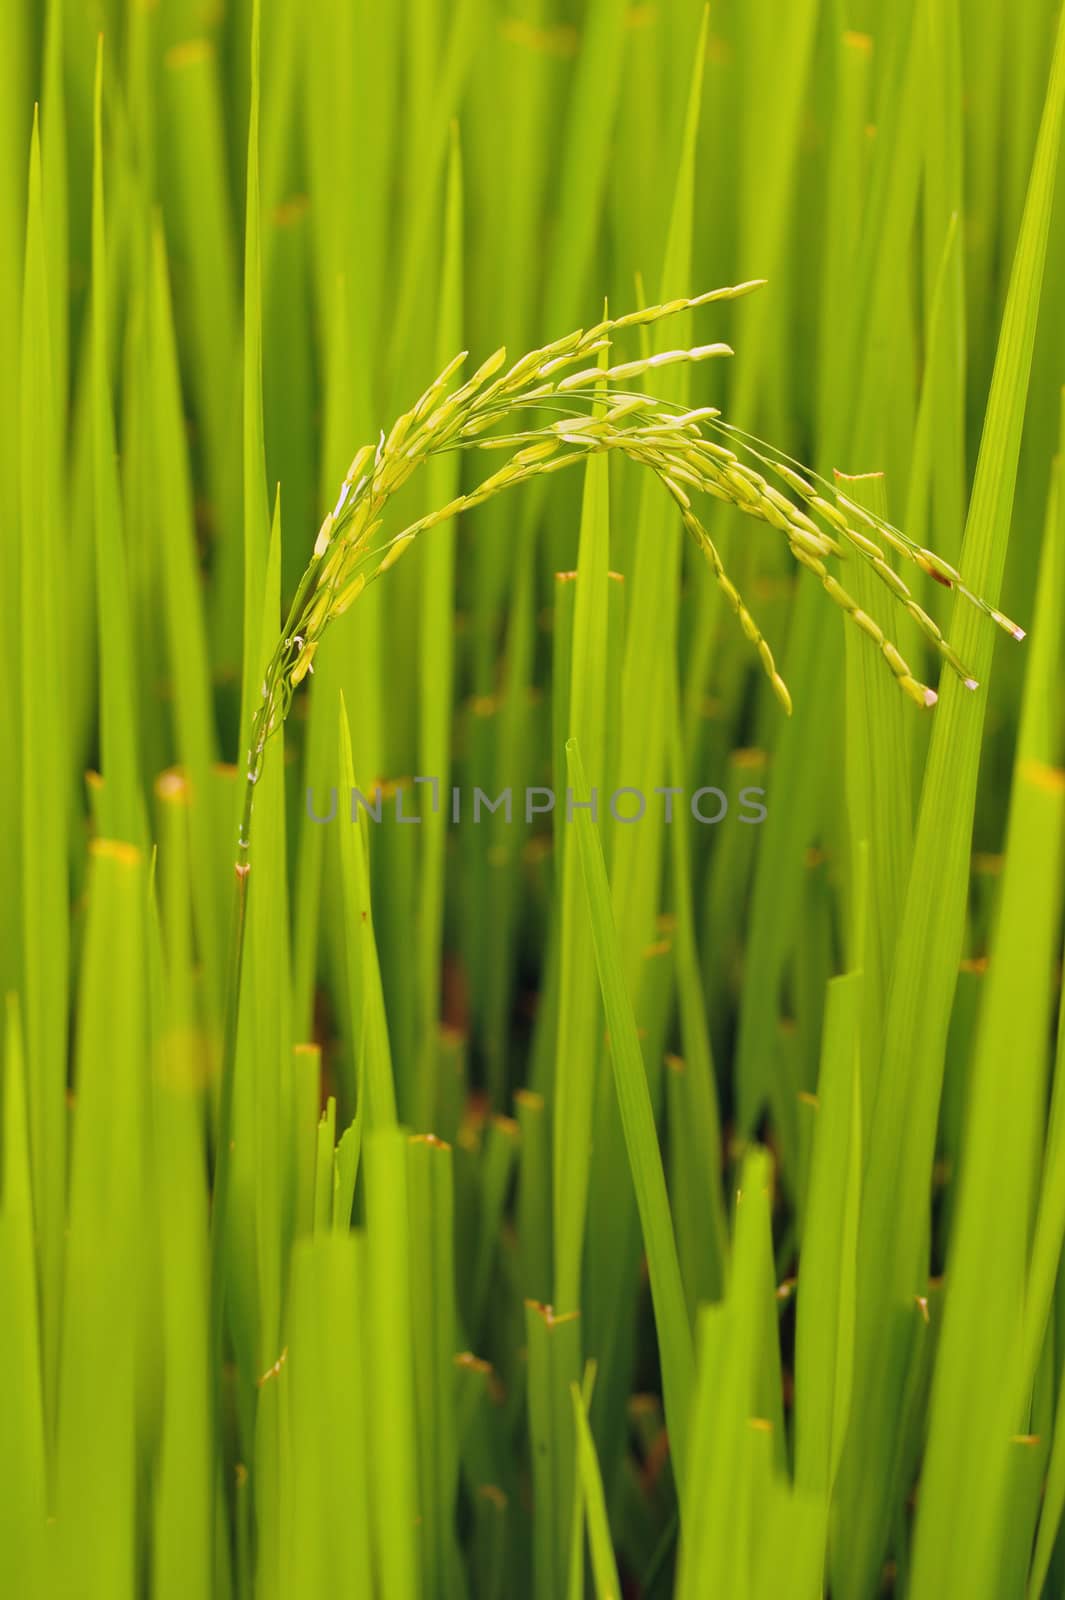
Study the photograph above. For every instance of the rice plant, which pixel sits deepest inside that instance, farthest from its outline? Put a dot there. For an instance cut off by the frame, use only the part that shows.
(606, 1134)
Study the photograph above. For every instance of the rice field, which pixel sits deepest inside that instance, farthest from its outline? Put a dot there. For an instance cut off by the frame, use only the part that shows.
(532, 846)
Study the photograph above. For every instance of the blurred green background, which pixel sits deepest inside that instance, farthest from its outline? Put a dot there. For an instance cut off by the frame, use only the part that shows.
(233, 249)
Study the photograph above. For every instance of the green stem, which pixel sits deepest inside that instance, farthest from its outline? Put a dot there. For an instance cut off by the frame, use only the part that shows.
(262, 726)
(224, 1131)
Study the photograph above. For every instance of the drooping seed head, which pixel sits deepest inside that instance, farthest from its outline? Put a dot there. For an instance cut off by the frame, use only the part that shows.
(653, 434)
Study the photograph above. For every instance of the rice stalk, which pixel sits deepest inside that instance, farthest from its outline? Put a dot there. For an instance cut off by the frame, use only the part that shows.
(591, 416)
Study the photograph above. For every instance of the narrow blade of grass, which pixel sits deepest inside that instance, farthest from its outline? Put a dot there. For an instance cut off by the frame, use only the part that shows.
(429, 1179)
(824, 1333)
(393, 1445)
(554, 1358)
(95, 1450)
(22, 1506)
(637, 1119)
(604, 1566)
(44, 830)
(121, 799)
(369, 1041)
(722, 1467)
(253, 453)
(437, 666)
(186, 624)
(182, 1509)
(577, 1047)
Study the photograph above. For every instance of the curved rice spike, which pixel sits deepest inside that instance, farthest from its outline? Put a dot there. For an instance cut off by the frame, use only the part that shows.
(671, 308)
(901, 592)
(896, 585)
(661, 434)
(746, 621)
(802, 479)
(932, 565)
(917, 691)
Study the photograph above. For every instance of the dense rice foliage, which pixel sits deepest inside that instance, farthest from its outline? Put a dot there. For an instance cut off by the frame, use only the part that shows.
(622, 1149)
